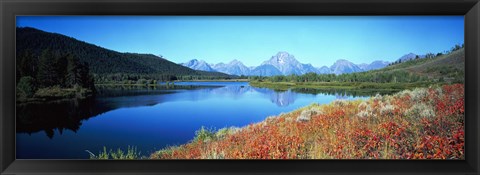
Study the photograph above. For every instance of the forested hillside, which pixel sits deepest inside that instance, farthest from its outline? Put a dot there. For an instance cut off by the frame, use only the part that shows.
(106, 65)
(448, 67)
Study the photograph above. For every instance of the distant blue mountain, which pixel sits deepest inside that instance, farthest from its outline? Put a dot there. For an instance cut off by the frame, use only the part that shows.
(235, 67)
(324, 70)
(198, 65)
(409, 56)
(287, 64)
(374, 65)
(342, 66)
(284, 63)
(266, 70)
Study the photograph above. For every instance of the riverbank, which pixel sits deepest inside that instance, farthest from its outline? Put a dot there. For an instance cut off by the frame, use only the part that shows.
(170, 82)
(423, 123)
(55, 93)
(122, 84)
(222, 80)
(339, 85)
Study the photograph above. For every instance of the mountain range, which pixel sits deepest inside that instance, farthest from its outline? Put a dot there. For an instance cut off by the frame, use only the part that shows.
(284, 63)
(235, 67)
(373, 65)
(199, 65)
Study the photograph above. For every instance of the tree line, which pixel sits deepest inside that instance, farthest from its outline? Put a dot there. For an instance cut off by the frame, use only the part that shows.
(152, 78)
(50, 69)
(377, 77)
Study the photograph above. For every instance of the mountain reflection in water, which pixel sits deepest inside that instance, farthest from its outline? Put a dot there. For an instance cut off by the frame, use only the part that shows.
(150, 117)
(68, 114)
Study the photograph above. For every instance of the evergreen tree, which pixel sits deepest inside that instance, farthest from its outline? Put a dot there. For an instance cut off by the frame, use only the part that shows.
(47, 73)
(26, 64)
(73, 73)
(61, 69)
(86, 79)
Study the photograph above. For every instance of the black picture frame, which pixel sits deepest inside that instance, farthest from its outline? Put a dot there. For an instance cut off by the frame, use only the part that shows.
(10, 9)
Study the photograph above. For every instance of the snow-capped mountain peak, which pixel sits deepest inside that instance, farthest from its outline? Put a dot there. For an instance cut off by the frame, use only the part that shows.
(342, 66)
(234, 67)
(235, 62)
(198, 65)
(282, 57)
(285, 63)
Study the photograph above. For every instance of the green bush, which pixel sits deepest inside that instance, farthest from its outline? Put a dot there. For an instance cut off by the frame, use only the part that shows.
(55, 92)
(142, 81)
(221, 133)
(26, 87)
(204, 134)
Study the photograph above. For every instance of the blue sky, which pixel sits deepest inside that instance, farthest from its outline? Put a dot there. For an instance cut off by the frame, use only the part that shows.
(320, 40)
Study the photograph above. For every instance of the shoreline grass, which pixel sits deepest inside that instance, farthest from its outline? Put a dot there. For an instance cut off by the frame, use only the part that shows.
(55, 93)
(130, 154)
(423, 123)
(171, 82)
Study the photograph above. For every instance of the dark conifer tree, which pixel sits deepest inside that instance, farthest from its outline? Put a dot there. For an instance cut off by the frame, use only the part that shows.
(72, 76)
(61, 69)
(47, 73)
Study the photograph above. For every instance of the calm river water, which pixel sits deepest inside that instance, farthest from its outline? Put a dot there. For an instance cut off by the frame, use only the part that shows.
(149, 118)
